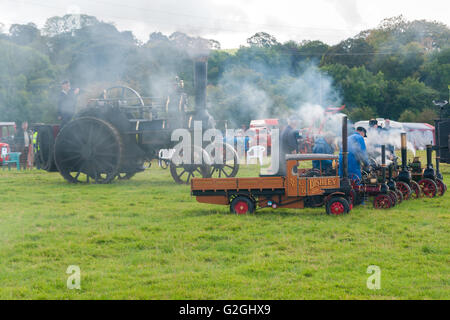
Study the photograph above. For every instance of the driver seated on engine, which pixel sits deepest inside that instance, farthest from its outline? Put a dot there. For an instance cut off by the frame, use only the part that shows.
(323, 145)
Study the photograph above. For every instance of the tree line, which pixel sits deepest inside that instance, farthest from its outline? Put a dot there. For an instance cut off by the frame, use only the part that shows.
(393, 71)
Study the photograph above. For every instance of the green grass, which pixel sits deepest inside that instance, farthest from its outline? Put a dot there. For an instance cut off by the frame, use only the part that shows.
(147, 238)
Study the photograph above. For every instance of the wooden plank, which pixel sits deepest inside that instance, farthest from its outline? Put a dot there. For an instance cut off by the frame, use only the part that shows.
(261, 183)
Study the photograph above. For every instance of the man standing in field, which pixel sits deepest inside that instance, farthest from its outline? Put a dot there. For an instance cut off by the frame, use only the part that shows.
(66, 103)
(288, 143)
(357, 154)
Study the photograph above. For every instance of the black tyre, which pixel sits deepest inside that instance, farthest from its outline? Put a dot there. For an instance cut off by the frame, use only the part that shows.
(337, 206)
(428, 188)
(441, 187)
(242, 205)
(45, 143)
(404, 189)
(88, 150)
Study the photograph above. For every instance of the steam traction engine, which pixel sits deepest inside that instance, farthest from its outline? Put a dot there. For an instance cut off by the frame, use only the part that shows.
(121, 131)
(373, 183)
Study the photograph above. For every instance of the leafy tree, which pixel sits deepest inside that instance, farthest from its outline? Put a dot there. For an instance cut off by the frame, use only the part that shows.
(408, 116)
(67, 24)
(24, 34)
(353, 52)
(361, 113)
(25, 77)
(436, 72)
(262, 40)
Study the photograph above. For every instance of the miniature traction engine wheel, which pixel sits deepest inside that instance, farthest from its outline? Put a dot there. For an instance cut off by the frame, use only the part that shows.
(416, 191)
(428, 187)
(442, 187)
(382, 201)
(88, 149)
(404, 189)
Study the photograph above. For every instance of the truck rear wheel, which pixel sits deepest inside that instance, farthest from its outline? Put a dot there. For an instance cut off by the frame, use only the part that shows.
(242, 205)
(337, 206)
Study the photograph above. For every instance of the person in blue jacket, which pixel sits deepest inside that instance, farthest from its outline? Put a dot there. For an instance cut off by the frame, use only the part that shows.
(357, 154)
(323, 145)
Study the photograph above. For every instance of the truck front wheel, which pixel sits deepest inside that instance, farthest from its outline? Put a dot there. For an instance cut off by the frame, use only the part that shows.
(337, 206)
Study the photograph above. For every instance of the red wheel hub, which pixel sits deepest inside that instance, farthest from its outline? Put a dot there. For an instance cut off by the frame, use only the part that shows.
(241, 207)
(428, 187)
(337, 208)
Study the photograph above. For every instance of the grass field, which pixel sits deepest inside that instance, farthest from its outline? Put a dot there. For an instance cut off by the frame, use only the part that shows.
(147, 238)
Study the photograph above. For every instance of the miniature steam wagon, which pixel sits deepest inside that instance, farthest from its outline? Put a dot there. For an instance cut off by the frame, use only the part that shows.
(299, 188)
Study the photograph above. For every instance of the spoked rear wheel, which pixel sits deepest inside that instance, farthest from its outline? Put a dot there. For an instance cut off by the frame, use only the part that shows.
(88, 149)
(442, 187)
(226, 163)
(197, 166)
(416, 192)
(428, 187)
(399, 196)
(382, 201)
(404, 189)
(393, 196)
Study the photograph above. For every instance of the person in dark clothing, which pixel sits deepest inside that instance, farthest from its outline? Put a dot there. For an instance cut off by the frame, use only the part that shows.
(66, 103)
(323, 145)
(288, 143)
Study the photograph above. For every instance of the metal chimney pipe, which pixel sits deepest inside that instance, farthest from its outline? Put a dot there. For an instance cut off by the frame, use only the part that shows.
(383, 163)
(344, 148)
(438, 148)
(429, 154)
(403, 149)
(200, 79)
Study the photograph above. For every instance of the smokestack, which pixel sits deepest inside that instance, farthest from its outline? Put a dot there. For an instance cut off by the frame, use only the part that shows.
(383, 163)
(344, 148)
(429, 154)
(438, 148)
(200, 79)
(403, 149)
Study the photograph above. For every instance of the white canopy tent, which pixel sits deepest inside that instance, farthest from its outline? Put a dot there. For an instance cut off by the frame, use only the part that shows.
(418, 134)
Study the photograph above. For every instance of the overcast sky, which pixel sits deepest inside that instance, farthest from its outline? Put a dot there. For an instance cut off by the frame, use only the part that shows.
(231, 22)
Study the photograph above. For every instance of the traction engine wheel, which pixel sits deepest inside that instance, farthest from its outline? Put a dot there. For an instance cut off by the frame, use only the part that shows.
(226, 164)
(393, 197)
(417, 193)
(197, 166)
(428, 187)
(337, 206)
(45, 146)
(399, 196)
(404, 189)
(442, 187)
(88, 148)
(382, 201)
(242, 205)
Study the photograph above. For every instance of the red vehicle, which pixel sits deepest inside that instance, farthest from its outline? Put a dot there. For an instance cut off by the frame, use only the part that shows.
(261, 132)
(7, 131)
